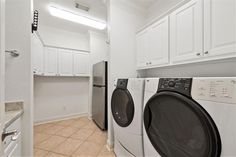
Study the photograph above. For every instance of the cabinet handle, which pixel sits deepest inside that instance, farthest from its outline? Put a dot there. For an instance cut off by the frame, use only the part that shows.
(198, 54)
(10, 133)
(146, 63)
(206, 53)
(150, 62)
(15, 136)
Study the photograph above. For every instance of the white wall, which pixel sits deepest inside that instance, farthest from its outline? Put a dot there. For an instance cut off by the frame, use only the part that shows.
(73, 92)
(124, 22)
(223, 68)
(99, 52)
(60, 97)
(53, 36)
(19, 77)
(98, 47)
(2, 68)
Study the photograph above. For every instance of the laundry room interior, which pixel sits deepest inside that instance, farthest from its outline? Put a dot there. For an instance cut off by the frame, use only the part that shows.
(118, 78)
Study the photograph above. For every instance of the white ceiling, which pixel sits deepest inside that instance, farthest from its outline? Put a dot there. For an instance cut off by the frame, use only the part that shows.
(97, 10)
(143, 3)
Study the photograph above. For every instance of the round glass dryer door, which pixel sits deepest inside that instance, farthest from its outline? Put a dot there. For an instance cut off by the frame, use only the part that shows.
(122, 107)
(177, 126)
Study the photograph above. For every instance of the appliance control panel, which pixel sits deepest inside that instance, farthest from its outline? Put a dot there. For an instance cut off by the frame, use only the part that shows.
(215, 89)
(122, 83)
(181, 85)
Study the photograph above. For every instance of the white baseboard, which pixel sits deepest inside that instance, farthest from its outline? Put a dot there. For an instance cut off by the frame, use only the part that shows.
(58, 118)
(110, 146)
(90, 117)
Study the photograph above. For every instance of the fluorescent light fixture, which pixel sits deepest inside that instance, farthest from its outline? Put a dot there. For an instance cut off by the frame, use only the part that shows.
(70, 16)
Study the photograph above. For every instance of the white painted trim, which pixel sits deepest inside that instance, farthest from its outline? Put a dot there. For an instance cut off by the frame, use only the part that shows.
(59, 118)
(45, 45)
(110, 146)
(40, 38)
(97, 33)
(66, 48)
(214, 59)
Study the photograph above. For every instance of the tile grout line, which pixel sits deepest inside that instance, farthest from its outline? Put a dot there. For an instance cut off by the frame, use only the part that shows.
(70, 136)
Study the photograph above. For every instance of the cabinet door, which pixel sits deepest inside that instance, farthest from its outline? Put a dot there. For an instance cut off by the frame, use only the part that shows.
(38, 55)
(65, 62)
(142, 48)
(16, 150)
(186, 32)
(81, 64)
(51, 61)
(158, 37)
(220, 27)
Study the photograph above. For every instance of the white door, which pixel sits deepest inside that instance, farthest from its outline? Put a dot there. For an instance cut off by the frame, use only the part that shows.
(65, 62)
(2, 70)
(186, 32)
(220, 27)
(142, 48)
(81, 64)
(158, 43)
(51, 61)
(38, 55)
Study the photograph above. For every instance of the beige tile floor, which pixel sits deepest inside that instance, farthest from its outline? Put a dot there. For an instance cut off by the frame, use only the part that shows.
(78, 137)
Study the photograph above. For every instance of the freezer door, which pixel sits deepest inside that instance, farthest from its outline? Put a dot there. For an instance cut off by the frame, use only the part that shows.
(99, 106)
(99, 73)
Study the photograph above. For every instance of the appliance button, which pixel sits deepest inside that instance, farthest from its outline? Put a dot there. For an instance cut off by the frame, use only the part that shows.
(171, 84)
(185, 88)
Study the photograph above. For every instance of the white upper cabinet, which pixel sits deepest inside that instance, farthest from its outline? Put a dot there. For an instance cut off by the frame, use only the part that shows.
(158, 40)
(153, 44)
(199, 30)
(142, 48)
(81, 64)
(65, 62)
(186, 32)
(38, 55)
(220, 27)
(51, 61)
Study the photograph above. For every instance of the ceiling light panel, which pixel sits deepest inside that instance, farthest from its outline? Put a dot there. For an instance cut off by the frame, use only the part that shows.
(81, 19)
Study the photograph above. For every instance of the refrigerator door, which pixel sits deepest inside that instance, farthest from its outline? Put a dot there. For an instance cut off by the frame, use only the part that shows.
(99, 73)
(99, 106)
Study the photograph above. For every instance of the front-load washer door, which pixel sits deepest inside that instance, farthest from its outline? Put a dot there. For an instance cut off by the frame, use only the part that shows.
(177, 126)
(122, 107)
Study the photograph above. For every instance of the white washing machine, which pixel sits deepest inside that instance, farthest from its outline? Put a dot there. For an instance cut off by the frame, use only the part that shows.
(186, 117)
(126, 107)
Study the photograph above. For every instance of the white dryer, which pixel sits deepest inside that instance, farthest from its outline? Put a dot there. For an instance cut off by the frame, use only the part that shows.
(126, 107)
(186, 117)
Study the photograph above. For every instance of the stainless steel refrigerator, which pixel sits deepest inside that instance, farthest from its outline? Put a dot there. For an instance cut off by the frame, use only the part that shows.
(99, 102)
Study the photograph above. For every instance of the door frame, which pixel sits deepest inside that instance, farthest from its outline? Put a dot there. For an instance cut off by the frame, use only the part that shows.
(2, 70)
